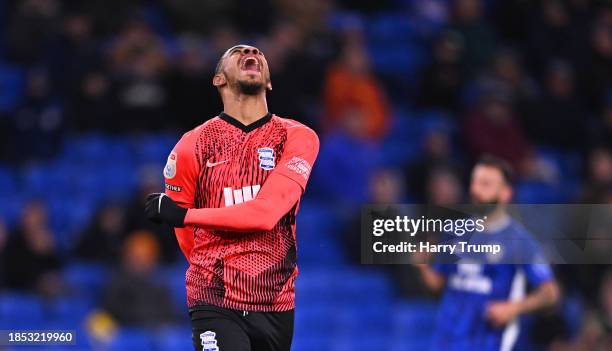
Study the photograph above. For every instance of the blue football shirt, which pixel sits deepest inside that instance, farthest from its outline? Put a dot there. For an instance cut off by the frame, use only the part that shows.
(470, 287)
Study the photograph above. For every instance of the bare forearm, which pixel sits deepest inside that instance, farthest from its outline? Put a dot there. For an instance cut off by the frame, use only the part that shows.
(433, 280)
(546, 295)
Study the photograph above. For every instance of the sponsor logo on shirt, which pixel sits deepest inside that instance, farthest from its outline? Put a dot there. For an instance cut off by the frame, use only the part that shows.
(238, 196)
(470, 277)
(170, 168)
(209, 341)
(174, 188)
(299, 166)
(266, 158)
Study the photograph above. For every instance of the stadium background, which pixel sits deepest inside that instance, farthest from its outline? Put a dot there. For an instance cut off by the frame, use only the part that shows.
(404, 94)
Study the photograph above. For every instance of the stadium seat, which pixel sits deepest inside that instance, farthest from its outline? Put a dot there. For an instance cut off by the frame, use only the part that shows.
(173, 339)
(153, 148)
(174, 279)
(364, 339)
(20, 310)
(11, 86)
(69, 310)
(414, 319)
(87, 279)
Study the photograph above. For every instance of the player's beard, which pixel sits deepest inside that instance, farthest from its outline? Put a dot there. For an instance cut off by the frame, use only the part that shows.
(250, 88)
(484, 208)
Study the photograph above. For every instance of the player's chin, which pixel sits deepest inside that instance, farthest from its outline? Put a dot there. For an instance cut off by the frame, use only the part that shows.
(251, 87)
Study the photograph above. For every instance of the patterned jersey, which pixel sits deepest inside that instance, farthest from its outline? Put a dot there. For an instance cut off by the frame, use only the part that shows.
(222, 163)
(470, 287)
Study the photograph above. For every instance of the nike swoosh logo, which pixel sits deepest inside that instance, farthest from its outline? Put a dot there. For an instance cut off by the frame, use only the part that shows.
(212, 164)
(161, 196)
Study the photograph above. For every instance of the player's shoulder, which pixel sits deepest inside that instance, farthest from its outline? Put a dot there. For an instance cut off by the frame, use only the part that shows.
(518, 229)
(296, 128)
(189, 138)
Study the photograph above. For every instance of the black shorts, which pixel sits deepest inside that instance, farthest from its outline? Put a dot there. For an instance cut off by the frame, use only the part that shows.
(218, 329)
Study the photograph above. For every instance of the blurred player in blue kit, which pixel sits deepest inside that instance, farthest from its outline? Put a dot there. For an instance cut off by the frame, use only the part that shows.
(481, 303)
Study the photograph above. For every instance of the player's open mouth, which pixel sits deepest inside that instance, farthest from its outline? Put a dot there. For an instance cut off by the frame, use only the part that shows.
(250, 64)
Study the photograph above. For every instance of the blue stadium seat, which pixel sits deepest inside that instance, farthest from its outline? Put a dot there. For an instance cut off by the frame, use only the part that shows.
(536, 192)
(311, 341)
(153, 148)
(173, 339)
(20, 310)
(69, 310)
(414, 319)
(10, 208)
(12, 84)
(391, 29)
(403, 60)
(174, 279)
(363, 339)
(87, 279)
(314, 318)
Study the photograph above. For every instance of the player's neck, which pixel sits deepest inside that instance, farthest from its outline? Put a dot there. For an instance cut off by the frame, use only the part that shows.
(246, 108)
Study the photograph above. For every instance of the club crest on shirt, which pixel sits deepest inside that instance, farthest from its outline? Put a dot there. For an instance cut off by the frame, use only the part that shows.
(266, 158)
(209, 341)
(170, 168)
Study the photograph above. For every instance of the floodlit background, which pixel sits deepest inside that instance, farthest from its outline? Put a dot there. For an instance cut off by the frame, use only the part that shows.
(403, 93)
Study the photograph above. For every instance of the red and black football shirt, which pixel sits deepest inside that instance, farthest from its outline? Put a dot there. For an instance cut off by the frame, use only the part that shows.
(223, 163)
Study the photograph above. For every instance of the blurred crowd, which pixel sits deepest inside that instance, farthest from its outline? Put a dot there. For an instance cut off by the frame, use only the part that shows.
(400, 120)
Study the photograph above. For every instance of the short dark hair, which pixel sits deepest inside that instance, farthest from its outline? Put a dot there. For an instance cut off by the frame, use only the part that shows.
(499, 163)
(219, 66)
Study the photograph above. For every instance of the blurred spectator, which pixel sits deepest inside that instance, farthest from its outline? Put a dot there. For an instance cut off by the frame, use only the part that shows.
(3, 240)
(133, 297)
(73, 53)
(493, 128)
(443, 187)
(192, 99)
(309, 16)
(598, 184)
(592, 336)
(103, 239)
(596, 70)
(552, 34)
(94, 107)
(346, 162)
(40, 118)
(188, 14)
(291, 62)
(507, 70)
(557, 118)
(138, 61)
(351, 88)
(436, 154)
(33, 24)
(443, 78)
(151, 183)
(509, 18)
(601, 132)
(384, 187)
(605, 301)
(32, 261)
(478, 37)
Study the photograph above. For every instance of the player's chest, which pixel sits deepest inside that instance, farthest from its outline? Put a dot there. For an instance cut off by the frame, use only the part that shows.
(238, 160)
